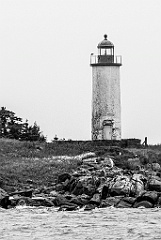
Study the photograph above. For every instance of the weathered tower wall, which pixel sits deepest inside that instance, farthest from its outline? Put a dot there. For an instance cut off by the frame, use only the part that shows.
(106, 103)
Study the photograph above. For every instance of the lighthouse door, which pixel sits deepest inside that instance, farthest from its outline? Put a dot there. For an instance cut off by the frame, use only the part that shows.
(107, 132)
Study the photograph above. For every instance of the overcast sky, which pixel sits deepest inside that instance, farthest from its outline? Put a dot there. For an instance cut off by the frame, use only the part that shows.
(45, 76)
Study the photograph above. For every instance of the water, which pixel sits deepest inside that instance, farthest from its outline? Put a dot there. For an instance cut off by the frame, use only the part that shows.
(30, 223)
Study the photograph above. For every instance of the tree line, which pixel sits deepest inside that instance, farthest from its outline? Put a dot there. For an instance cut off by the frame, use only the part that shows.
(13, 127)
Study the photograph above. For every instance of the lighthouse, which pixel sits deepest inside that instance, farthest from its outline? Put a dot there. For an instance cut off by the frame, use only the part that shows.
(106, 99)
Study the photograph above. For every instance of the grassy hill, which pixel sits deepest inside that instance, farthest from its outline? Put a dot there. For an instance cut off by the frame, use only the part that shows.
(23, 162)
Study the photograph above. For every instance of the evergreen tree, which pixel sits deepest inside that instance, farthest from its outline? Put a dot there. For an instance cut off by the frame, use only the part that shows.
(13, 127)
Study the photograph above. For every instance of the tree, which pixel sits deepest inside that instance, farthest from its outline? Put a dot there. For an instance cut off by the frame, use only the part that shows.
(13, 127)
(34, 133)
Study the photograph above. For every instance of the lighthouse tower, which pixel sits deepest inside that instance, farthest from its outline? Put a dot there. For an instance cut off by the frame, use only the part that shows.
(106, 104)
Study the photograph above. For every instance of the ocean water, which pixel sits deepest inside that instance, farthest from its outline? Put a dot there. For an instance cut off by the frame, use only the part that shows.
(31, 223)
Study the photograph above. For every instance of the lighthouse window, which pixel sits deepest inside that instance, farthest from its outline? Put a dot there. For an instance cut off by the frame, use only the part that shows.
(106, 51)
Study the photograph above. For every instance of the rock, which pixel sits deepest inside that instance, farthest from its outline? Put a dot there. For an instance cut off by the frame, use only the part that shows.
(101, 173)
(134, 163)
(154, 184)
(35, 201)
(3, 194)
(110, 201)
(145, 204)
(40, 201)
(86, 185)
(30, 181)
(78, 201)
(4, 199)
(59, 187)
(126, 202)
(123, 204)
(137, 184)
(54, 194)
(155, 166)
(120, 185)
(96, 199)
(61, 200)
(108, 162)
(105, 191)
(84, 199)
(150, 196)
(113, 172)
(25, 193)
(159, 202)
(23, 202)
(62, 177)
(17, 200)
(89, 207)
(92, 161)
(78, 188)
(68, 208)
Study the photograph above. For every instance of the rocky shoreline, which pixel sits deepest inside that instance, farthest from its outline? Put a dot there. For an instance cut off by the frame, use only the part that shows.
(97, 182)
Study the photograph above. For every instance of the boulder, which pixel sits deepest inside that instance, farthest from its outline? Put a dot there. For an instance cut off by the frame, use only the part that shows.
(21, 201)
(59, 187)
(90, 207)
(84, 199)
(107, 162)
(110, 201)
(35, 201)
(61, 201)
(126, 202)
(159, 202)
(120, 185)
(145, 204)
(96, 199)
(25, 193)
(134, 163)
(41, 201)
(105, 191)
(148, 196)
(154, 184)
(85, 185)
(62, 177)
(4, 198)
(155, 166)
(138, 181)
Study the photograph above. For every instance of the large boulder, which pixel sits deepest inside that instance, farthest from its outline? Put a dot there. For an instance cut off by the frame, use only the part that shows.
(85, 185)
(121, 185)
(154, 184)
(138, 181)
(147, 199)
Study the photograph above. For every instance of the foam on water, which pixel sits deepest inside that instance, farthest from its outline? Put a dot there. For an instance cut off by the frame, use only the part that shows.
(32, 223)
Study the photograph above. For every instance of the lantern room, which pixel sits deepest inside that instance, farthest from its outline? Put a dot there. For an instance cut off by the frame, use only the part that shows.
(105, 56)
(105, 51)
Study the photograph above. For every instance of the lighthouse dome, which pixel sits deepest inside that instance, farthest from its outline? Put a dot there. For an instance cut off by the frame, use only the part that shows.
(105, 43)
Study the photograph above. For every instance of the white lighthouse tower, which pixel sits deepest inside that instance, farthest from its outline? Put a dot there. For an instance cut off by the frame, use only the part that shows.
(106, 103)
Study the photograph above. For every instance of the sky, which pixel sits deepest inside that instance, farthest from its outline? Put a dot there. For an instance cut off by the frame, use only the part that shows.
(45, 73)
